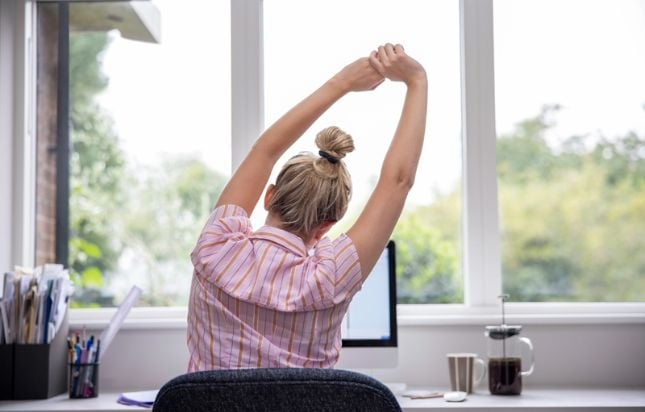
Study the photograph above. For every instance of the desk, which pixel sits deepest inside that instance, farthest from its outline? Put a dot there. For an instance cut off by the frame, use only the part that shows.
(537, 400)
(530, 401)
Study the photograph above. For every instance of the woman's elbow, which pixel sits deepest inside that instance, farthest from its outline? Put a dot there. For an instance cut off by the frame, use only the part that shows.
(406, 183)
(401, 180)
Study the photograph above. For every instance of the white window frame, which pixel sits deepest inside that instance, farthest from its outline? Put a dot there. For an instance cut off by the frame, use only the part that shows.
(17, 112)
(481, 258)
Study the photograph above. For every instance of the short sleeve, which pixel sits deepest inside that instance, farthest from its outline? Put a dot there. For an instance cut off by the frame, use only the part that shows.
(226, 231)
(339, 265)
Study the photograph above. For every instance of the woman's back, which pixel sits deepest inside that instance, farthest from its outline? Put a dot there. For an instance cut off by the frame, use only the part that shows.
(258, 299)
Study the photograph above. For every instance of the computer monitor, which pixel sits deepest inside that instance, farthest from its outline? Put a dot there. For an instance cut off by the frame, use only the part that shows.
(369, 328)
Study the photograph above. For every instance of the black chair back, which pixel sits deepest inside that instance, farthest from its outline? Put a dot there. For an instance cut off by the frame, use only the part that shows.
(289, 389)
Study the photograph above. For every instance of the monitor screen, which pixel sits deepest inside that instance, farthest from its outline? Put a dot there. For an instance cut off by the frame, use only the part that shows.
(371, 317)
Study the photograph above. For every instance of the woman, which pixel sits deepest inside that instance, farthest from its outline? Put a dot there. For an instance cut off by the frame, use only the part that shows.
(275, 297)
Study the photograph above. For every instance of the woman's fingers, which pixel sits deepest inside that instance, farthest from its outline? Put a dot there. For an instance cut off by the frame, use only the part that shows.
(389, 50)
(376, 63)
(382, 56)
(392, 62)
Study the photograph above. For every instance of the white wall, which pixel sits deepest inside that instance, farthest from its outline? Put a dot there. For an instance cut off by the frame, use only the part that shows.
(566, 356)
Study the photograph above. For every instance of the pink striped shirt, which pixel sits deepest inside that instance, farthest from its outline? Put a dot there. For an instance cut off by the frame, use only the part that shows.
(258, 299)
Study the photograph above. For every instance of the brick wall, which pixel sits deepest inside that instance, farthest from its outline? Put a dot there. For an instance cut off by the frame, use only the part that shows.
(46, 135)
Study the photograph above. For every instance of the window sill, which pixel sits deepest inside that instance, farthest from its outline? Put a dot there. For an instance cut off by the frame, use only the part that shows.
(408, 315)
(523, 313)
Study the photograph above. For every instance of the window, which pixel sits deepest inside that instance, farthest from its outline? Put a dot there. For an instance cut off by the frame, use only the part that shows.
(571, 148)
(150, 146)
(300, 54)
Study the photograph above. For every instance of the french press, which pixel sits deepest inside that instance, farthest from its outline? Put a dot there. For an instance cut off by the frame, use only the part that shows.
(504, 357)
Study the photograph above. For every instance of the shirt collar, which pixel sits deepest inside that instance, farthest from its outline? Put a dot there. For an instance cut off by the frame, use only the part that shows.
(281, 237)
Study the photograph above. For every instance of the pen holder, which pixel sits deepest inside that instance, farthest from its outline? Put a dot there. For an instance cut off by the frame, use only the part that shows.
(83, 380)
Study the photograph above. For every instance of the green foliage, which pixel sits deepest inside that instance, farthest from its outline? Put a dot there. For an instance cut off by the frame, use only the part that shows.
(166, 208)
(426, 263)
(525, 155)
(85, 52)
(128, 223)
(572, 217)
(96, 169)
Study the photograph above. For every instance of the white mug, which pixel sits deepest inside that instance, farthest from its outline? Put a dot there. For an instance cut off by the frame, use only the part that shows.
(461, 367)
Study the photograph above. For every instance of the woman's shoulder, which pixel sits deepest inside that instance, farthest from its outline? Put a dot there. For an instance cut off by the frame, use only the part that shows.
(228, 218)
(339, 248)
(228, 210)
(339, 262)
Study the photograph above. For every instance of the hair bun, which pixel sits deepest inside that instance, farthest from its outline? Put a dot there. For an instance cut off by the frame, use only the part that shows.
(335, 142)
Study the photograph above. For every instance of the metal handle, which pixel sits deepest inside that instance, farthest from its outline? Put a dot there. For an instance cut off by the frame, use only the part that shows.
(528, 343)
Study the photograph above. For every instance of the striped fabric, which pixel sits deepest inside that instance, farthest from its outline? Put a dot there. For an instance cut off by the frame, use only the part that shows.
(259, 300)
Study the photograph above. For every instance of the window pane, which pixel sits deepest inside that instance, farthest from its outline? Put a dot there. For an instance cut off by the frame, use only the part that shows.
(150, 127)
(307, 42)
(571, 148)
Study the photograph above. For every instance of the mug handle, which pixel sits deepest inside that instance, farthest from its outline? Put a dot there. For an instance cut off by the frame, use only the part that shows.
(528, 343)
(483, 373)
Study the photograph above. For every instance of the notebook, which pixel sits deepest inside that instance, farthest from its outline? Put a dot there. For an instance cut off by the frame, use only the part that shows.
(143, 398)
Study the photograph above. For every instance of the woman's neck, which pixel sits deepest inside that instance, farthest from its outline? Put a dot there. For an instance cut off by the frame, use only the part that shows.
(272, 220)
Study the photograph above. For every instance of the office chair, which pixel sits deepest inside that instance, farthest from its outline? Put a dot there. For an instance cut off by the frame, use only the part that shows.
(288, 389)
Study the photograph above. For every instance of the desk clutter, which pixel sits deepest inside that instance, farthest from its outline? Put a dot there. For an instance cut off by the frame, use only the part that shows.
(33, 327)
(35, 350)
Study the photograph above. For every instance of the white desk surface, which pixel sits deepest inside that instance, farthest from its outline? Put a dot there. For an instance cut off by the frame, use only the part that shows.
(530, 399)
(582, 399)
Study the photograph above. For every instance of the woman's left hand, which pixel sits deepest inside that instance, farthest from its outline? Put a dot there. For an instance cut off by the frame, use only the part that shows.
(359, 76)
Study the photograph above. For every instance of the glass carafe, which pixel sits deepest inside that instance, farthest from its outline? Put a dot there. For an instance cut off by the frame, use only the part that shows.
(505, 359)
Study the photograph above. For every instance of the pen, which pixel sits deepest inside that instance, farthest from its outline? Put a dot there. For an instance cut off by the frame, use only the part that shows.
(78, 353)
(98, 350)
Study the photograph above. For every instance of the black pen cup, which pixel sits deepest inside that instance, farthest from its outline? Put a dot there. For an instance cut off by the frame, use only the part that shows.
(83, 380)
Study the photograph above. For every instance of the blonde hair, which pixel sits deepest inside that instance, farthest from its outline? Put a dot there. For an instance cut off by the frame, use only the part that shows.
(311, 189)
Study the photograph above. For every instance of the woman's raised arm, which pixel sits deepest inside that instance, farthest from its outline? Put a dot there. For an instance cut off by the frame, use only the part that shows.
(374, 226)
(249, 180)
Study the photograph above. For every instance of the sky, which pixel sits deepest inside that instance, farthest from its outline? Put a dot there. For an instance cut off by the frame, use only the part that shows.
(586, 55)
(174, 98)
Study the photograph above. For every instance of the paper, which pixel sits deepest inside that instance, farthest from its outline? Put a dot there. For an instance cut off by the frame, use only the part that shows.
(117, 319)
(26, 307)
(144, 398)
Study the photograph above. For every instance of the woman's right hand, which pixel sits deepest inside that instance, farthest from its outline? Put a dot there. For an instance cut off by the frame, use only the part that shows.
(393, 63)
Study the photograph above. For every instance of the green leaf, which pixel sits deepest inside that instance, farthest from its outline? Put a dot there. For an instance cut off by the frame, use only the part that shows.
(91, 277)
